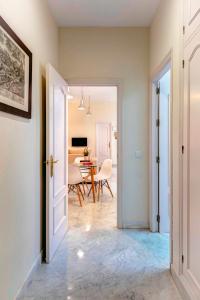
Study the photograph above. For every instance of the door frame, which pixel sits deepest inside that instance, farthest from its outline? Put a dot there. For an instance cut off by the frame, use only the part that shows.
(110, 148)
(166, 64)
(119, 85)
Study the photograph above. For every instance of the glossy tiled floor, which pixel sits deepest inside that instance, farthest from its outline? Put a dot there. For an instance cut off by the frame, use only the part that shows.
(96, 261)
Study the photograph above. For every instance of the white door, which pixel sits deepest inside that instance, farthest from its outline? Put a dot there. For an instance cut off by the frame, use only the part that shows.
(56, 165)
(164, 162)
(103, 141)
(191, 16)
(191, 165)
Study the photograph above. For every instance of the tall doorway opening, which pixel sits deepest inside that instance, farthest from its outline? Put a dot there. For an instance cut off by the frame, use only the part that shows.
(92, 155)
(163, 117)
(161, 159)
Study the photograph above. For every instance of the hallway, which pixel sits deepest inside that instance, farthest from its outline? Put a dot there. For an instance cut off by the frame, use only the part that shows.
(96, 261)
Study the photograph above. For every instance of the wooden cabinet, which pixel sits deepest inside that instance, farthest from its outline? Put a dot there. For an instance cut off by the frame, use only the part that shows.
(191, 160)
(191, 17)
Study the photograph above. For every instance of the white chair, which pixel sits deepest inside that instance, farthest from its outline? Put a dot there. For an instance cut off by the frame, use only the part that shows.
(103, 176)
(74, 180)
(84, 171)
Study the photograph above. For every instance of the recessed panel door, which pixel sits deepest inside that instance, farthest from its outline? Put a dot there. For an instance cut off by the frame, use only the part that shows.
(103, 141)
(191, 17)
(56, 162)
(191, 184)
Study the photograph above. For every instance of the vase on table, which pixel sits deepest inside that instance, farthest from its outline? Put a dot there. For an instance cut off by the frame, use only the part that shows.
(86, 153)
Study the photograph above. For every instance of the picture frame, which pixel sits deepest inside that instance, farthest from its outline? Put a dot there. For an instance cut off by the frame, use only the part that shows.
(15, 73)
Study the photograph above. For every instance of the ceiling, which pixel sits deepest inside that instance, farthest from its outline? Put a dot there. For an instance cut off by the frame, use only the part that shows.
(103, 13)
(96, 93)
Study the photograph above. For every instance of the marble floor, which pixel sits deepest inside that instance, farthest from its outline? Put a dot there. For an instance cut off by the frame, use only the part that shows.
(96, 261)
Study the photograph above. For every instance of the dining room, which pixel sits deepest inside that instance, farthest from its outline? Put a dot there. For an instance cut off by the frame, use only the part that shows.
(92, 155)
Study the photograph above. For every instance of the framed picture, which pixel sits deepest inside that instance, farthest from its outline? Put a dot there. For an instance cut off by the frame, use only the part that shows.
(15, 73)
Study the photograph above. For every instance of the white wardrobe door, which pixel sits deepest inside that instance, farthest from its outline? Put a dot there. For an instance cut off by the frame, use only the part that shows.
(191, 16)
(192, 164)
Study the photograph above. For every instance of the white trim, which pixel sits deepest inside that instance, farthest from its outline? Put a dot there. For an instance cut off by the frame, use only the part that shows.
(136, 225)
(186, 291)
(37, 262)
(119, 84)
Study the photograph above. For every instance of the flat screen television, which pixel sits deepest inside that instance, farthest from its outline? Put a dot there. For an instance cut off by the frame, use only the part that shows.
(79, 142)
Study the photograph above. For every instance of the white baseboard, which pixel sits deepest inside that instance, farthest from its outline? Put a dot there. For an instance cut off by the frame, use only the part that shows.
(180, 285)
(35, 264)
(187, 292)
(135, 225)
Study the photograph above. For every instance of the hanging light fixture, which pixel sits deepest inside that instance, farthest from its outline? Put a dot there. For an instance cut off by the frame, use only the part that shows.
(69, 95)
(89, 108)
(82, 102)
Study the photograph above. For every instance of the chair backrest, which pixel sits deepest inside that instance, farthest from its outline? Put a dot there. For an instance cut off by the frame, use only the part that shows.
(78, 160)
(106, 168)
(74, 174)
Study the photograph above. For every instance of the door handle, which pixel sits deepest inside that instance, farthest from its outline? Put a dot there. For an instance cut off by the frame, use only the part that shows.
(51, 162)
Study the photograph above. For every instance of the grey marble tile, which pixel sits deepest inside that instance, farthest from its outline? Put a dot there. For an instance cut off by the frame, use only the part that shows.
(96, 261)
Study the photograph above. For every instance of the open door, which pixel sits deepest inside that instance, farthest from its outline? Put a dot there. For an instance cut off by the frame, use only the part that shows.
(56, 162)
(103, 141)
(164, 189)
(163, 157)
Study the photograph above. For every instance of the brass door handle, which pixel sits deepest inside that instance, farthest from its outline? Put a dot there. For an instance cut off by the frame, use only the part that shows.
(51, 162)
(55, 161)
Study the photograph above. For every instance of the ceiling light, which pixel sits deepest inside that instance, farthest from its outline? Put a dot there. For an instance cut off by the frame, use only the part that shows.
(69, 96)
(82, 102)
(89, 109)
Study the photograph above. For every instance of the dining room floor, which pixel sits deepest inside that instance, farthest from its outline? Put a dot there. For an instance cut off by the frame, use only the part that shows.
(97, 261)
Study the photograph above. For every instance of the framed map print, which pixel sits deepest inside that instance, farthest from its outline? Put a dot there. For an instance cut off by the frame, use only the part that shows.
(15, 73)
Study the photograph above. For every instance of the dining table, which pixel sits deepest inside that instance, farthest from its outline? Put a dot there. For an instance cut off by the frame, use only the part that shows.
(90, 167)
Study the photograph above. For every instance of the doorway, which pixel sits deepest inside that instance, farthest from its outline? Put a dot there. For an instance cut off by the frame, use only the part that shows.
(92, 124)
(161, 159)
(57, 161)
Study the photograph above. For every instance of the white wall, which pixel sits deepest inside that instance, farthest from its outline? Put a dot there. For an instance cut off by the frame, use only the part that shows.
(81, 125)
(20, 148)
(121, 53)
(166, 35)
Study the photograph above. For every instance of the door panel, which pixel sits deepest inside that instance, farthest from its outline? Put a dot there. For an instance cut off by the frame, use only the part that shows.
(194, 167)
(191, 192)
(164, 162)
(56, 170)
(59, 139)
(103, 141)
(191, 16)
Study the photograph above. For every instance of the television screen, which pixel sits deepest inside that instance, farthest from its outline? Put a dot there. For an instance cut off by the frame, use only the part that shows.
(79, 142)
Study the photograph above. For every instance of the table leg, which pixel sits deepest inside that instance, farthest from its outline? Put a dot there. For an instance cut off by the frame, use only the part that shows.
(92, 181)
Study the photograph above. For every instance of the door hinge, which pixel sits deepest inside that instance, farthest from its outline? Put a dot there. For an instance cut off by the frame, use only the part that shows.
(158, 90)
(183, 63)
(157, 122)
(183, 29)
(158, 159)
(182, 259)
(158, 218)
(183, 149)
